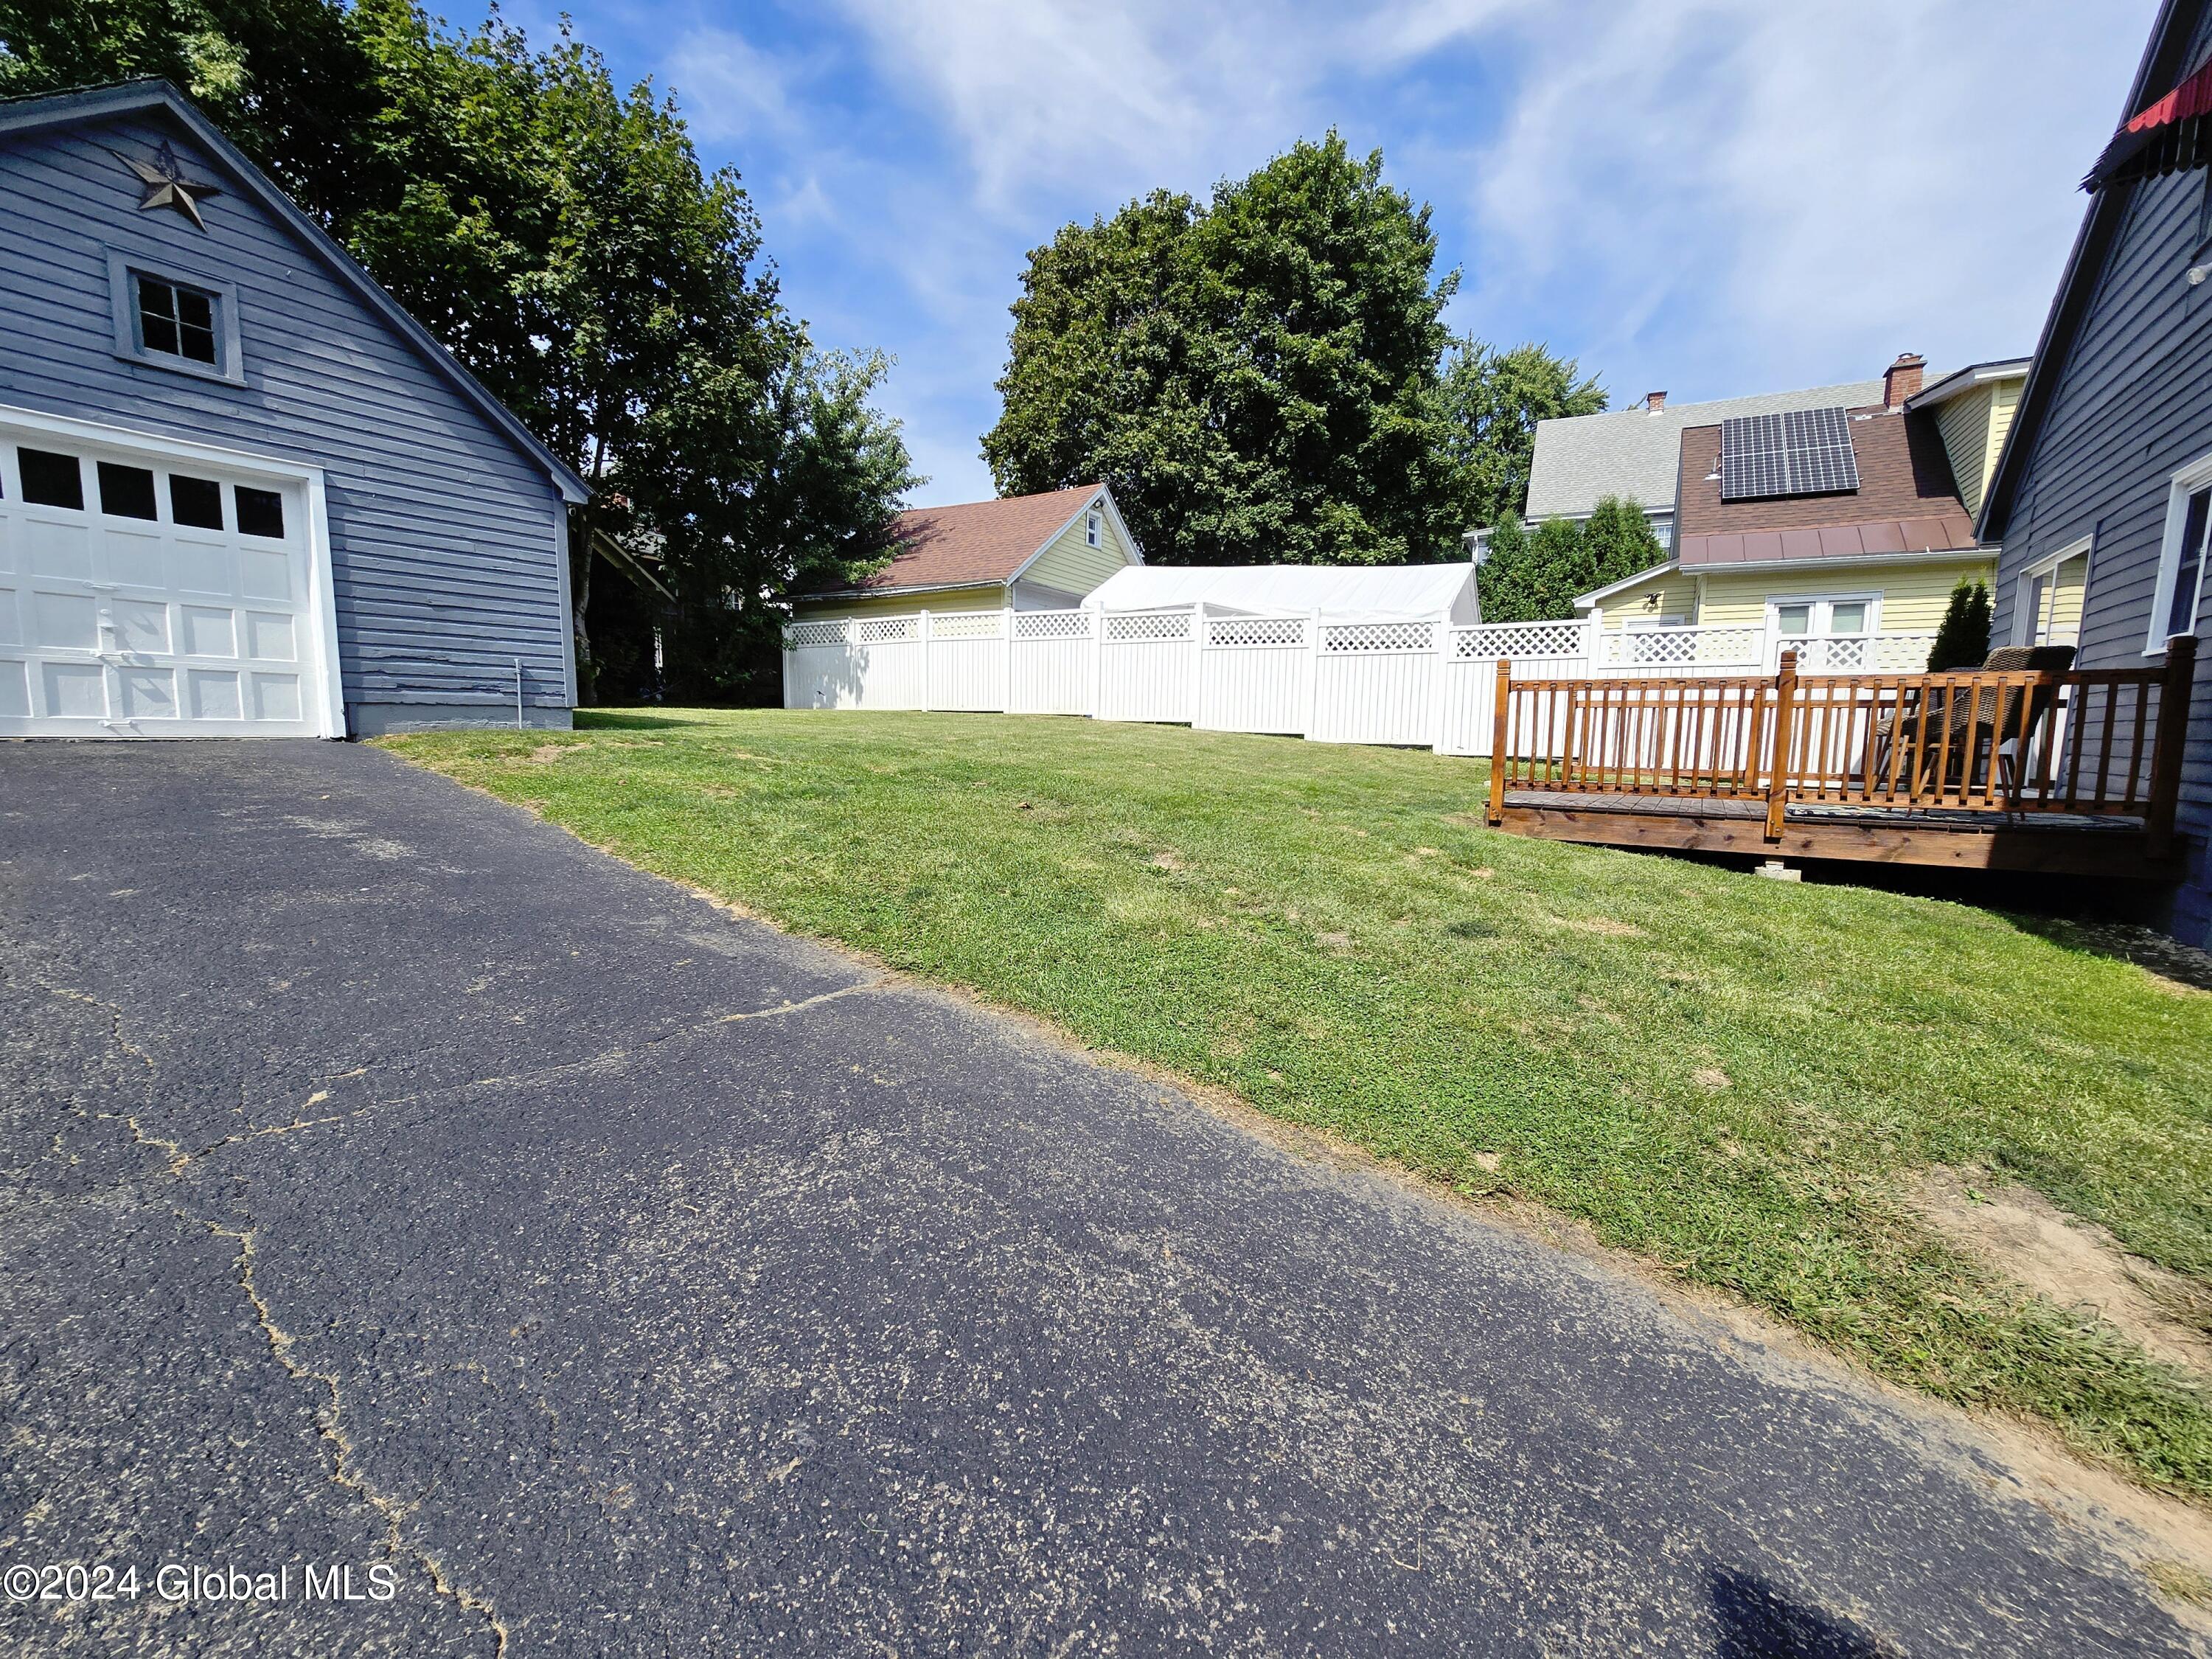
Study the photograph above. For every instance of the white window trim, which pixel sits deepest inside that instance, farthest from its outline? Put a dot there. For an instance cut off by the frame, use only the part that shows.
(1775, 602)
(130, 345)
(2023, 608)
(2183, 484)
(1094, 528)
(329, 703)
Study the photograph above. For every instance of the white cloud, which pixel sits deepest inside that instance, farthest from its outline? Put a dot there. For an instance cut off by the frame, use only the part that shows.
(1718, 196)
(1748, 194)
(731, 90)
(1045, 94)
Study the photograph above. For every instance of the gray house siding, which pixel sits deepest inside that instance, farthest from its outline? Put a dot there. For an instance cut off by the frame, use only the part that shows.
(448, 540)
(2133, 405)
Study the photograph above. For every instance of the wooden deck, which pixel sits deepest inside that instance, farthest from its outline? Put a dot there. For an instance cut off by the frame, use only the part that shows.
(2069, 774)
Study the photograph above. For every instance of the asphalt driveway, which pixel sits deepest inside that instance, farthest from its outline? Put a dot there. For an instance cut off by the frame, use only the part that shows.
(389, 1181)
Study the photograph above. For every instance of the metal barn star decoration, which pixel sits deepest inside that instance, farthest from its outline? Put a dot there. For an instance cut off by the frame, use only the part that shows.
(166, 186)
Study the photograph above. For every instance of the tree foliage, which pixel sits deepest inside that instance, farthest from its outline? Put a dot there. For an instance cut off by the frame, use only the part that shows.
(1536, 575)
(285, 79)
(1491, 401)
(1256, 376)
(1962, 638)
(560, 238)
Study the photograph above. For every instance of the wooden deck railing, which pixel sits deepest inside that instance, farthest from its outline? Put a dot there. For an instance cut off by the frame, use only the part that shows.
(2099, 742)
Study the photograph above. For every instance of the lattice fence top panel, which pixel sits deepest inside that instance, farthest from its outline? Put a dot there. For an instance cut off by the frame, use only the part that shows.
(1663, 648)
(1492, 640)
(802, 633)
(884, 630)
(1052, 624)
(1129, 627)
(1901, 653)
(966, 625)
(1255, 631)
(1392, 638)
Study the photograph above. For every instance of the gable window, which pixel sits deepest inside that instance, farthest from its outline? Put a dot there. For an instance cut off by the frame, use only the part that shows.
(2179, 591)
(1094, 533)
(174, 319)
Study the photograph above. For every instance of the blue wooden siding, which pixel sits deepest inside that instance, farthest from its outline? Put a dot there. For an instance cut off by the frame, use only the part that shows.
(2133, 406)
(445, 535)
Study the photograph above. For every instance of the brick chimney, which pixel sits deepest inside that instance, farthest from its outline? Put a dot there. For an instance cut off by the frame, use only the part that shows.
(1901, 379)
(1654, 402)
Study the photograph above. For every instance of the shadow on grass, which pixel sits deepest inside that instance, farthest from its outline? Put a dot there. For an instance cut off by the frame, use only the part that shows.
(2124, 942)
(622, 719)
(1758, 1622)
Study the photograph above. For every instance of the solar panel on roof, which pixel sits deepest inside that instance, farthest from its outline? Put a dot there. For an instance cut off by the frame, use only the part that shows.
(1800, 452)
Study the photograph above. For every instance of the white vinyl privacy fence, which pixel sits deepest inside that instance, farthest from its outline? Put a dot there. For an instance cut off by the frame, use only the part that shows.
(1426, 682)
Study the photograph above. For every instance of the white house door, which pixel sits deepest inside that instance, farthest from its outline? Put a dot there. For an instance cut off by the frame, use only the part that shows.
(146, 592)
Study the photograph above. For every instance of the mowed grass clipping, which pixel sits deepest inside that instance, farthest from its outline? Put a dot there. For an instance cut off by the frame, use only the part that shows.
(1737, 1077)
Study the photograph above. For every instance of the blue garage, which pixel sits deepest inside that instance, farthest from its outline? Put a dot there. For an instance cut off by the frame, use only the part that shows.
(242, 493)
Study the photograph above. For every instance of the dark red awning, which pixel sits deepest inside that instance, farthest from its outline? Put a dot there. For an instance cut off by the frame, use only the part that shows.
(2168, 136)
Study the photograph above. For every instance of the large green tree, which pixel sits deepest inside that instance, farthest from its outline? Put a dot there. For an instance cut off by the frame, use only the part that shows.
(561, 239)
(1256, 376)
(1491, 401)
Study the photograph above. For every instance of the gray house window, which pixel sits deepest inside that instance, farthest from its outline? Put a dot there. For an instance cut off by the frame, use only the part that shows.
(2189, 568)
(175, 319)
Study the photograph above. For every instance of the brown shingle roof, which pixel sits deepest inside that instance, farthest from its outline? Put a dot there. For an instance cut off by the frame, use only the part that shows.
(1906, 503)
(976, 542)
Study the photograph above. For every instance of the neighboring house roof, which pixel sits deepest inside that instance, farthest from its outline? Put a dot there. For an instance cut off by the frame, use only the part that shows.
(980, 543)
(2163, 61)
(1960, 381)
(27, 114)
(1631, 453)
(1368, 590)
(1906, 502)
(1586, 601)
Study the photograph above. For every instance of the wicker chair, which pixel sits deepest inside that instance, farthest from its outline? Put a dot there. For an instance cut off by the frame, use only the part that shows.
(1960, 727)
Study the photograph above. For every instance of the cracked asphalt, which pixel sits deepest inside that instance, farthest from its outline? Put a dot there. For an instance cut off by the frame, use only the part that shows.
(387, 1178)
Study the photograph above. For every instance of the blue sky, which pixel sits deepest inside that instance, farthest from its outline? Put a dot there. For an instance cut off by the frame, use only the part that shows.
(1714, 198)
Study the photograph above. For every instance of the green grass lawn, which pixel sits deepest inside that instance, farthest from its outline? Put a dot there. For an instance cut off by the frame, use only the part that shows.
(1737, 1077)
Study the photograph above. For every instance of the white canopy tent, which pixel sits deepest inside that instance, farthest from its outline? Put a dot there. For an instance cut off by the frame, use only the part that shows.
(1397, 590)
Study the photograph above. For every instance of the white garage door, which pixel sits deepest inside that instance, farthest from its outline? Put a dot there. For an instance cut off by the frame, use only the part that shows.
(150, 591)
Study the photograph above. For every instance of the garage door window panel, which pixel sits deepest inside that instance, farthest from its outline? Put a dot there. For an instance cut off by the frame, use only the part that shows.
(51, 479)
(127, 492)
(260, 511)
(195, 502)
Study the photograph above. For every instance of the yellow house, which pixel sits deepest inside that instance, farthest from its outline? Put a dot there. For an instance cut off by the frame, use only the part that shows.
(1836, 532)
(1041, 552)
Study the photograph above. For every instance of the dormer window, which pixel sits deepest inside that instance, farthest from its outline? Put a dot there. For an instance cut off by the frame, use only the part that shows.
(1094, 530)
